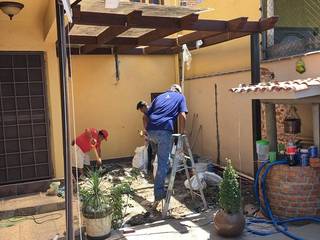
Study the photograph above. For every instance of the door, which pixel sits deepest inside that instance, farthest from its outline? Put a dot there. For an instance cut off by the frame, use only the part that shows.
(24, 139)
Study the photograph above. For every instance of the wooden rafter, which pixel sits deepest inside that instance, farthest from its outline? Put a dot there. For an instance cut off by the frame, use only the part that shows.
(267, 23)
(104, 37)
(155, 29)
(215, 38)
(165, 42)
(133, 19)
(138, 20)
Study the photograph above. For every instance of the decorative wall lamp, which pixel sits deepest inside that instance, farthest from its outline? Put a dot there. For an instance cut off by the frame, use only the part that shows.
(11, 8)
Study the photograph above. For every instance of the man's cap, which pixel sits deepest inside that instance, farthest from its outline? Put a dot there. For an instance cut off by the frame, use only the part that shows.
(176, 88)
(104, 133)
(141, 104)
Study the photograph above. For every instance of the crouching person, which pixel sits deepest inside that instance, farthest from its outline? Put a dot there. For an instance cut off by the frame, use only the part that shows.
(89, 140)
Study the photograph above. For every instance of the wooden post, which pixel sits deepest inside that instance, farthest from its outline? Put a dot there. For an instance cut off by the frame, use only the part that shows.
(256, 105)
(316, 124)
(271, 125)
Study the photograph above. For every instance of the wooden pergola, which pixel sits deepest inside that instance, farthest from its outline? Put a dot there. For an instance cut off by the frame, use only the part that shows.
(136, 28)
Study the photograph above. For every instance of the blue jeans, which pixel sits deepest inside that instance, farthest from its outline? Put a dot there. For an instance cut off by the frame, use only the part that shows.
(162, 139)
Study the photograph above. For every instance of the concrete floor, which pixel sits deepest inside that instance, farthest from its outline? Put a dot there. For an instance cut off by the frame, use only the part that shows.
(200, 228)
(191, 226)
(29, 205)
(195, 227)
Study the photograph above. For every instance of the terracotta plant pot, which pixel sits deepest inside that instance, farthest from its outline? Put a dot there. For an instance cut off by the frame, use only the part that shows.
(228, 225)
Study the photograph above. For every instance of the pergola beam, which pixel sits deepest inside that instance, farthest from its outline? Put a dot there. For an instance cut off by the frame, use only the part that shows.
(104, 37)
(161, 33)
(133, 19)
(119, 41)
(231, 25)
(83, 39)
(217, 38)
(209, 31)
(137, 20)
(110, 51)
(267, 23)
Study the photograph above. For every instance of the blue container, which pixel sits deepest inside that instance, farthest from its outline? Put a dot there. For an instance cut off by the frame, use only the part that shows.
(210, 167)
(313, 152)
(304, 157)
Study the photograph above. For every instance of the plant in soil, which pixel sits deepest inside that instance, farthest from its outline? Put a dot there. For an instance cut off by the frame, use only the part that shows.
(229, 220)
(229, 190)
(100, 198)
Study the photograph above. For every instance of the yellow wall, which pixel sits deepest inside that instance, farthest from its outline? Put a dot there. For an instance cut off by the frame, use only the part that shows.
(234, 116)
(26, 33)
(234, 111)
(228, 56)
(102, 102)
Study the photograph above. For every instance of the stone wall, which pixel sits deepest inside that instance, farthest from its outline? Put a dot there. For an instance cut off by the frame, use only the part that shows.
(281, 112)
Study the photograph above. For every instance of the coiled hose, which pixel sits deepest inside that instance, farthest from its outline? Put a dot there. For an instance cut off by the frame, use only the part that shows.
(279, 224)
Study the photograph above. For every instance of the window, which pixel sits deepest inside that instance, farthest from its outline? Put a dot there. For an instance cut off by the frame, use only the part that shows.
(297, 30)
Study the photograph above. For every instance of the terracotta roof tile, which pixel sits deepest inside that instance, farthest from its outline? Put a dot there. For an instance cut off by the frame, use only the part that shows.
(275, 86)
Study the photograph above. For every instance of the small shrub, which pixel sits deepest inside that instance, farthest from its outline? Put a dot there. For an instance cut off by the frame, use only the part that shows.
(229, 194)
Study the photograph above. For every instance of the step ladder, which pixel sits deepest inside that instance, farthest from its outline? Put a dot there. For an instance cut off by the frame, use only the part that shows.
(179, 163)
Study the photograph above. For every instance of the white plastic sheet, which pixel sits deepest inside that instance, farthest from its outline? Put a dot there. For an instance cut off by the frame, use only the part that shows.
(140, 159)
(155, 166)
(195, 184)
(212, 179)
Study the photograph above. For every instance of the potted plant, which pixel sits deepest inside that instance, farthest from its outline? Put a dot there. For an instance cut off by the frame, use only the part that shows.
(229, 220)
(102, 204)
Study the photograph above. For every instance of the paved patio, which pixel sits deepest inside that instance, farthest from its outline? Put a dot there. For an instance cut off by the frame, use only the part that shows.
(197, 226)
(186, 224)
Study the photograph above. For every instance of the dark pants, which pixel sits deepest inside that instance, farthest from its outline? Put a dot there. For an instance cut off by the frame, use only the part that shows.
(150, 157)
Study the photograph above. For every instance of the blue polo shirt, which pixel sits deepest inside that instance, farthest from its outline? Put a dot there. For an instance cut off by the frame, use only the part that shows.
(164, 111)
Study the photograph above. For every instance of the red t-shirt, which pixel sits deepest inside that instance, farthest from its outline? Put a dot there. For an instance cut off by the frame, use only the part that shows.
(83, 140)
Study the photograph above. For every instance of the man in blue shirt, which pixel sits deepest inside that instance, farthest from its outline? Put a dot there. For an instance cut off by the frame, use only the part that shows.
(162, 114)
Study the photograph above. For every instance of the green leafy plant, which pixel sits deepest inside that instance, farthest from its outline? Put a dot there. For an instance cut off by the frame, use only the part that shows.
(100, 197)
(117, 202)
(229, 194)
